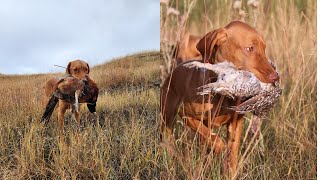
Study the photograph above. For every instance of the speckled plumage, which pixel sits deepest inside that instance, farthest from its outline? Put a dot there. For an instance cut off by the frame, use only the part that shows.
(259, 104)
(239, 84)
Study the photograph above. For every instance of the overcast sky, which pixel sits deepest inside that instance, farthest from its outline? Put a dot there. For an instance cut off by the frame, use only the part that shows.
(36, 34)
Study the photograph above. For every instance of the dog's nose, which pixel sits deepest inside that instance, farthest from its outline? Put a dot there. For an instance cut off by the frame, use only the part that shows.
(274, 77)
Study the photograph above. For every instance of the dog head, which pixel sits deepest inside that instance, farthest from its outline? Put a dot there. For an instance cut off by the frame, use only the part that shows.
(78, 69)
(240, 44)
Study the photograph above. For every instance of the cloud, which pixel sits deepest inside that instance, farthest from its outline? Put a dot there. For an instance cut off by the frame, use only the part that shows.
(37, 34)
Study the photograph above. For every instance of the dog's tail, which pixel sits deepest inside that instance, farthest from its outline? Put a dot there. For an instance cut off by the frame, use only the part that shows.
(49, 109)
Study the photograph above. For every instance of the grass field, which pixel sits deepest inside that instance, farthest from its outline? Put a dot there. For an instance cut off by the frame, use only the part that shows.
(120, 143)
(288, 147)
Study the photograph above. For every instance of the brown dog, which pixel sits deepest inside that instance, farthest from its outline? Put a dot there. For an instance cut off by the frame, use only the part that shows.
(186, 49)
(245, 48)
(78, 69)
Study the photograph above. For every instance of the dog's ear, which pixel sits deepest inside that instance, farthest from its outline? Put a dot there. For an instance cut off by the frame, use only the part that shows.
(68, 68)
(206, 46)
(88, 68)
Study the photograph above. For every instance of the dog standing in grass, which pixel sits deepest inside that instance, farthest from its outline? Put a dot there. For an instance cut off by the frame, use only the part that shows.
(242, 46)
(78, 69)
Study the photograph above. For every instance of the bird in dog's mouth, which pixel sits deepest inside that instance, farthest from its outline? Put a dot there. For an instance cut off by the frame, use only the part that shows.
(258, 97)
(73, 91)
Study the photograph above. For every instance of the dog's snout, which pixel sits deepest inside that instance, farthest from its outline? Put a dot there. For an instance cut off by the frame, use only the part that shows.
(274, 76)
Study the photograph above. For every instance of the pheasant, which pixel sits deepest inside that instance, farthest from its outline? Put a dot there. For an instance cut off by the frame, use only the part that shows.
(240, 84)
(74, 91)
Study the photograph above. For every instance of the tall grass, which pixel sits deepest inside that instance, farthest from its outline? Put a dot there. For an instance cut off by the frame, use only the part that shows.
(119, 143)
(288, 147)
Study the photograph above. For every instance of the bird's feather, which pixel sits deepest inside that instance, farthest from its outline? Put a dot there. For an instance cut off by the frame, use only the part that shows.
(49, 109)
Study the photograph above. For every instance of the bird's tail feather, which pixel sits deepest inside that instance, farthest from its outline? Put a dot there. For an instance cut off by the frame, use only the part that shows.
(49, 109)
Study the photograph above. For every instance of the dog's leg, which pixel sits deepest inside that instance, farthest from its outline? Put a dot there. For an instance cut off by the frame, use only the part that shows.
(63, 106)
(230, 137)
(205, 135)
(169, 108)
(235, 148)
(234, 137)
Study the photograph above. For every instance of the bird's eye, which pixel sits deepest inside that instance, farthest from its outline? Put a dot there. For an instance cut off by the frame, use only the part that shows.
(249, 48)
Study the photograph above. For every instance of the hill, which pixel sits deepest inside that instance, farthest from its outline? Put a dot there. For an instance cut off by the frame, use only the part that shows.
(119, 143)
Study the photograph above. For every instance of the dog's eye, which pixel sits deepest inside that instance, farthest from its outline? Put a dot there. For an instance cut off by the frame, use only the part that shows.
(249, 48)
(75, 70)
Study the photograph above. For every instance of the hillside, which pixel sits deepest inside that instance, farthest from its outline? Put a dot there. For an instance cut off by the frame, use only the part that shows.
(119, 143)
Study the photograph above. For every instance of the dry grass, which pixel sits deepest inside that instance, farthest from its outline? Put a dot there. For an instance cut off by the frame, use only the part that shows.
(121, 143)
(288, 147)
